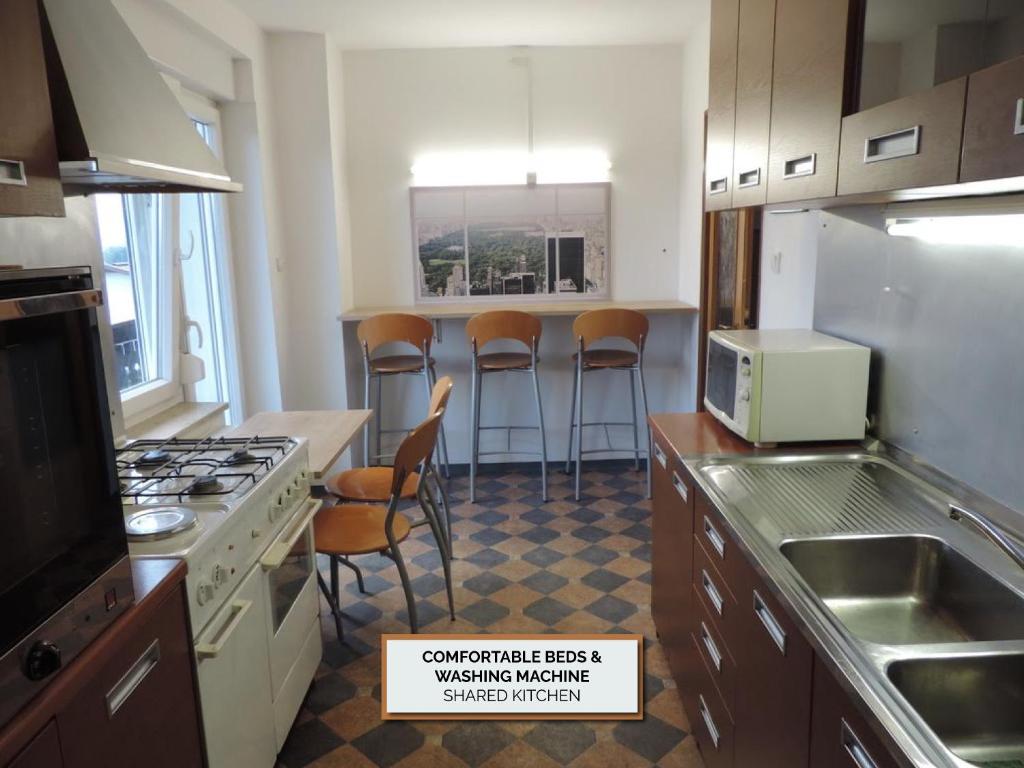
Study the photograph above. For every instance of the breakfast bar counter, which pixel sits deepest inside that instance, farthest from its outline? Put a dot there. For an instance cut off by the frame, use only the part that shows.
(453, 310)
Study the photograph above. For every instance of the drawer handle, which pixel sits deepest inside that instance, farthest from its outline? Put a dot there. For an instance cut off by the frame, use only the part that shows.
(12, 173)
(709, 643)
(801, 166)
(853, 747)
(716, 539)
(1018, 125)
(889, 146)
(133, 678)
(659, 454)
(705, 714)
(775, 631)
(712, 591)
(211, 650)
(680, 486)
(718, 186)
(749, 179)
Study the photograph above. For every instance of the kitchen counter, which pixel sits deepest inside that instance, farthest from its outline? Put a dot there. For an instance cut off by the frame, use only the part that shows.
(697, 434)
(441, 311)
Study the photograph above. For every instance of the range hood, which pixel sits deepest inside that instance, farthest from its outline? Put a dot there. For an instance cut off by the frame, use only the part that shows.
(119, 126)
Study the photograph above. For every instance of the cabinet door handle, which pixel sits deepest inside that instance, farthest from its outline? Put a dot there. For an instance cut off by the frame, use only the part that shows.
(716, 539)
(749, 179)
(659, 454)
(212, 649)
(801, 166)
(1018, 125)
(709, 643)
(712, 591)
(705, 714)
(133, 678)
(680, 486)
(776, 632)
(889, 146)
(12, 173)
(851, 743)
(718, 186)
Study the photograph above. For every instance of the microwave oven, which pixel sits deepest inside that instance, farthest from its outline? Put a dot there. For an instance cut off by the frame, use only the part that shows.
(781, 386)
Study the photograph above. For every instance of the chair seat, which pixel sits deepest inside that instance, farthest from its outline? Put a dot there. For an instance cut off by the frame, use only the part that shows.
(608, 358)
(398, 364)
(356, 529)
(369, 484)
(504, 361)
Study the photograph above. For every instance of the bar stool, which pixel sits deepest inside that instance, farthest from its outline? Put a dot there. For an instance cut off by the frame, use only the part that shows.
(392, 328)
(514, 326)
(346, 530)
(591, 327)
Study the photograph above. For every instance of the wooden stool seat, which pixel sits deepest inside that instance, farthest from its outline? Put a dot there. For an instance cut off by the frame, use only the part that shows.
(608, 358)
(370, 484)
(399, 364)
(503, 361)
(356, 529)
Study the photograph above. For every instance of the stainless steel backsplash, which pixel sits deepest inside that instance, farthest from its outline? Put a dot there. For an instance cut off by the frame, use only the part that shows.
(945, 324)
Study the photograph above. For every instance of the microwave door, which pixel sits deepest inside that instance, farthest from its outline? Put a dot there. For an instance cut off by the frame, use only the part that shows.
(723, 368)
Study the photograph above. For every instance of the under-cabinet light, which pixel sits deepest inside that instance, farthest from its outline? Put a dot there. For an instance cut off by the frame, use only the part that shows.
(970, 229)
(510, 167)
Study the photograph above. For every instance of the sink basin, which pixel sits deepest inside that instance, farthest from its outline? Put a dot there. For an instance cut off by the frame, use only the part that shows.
(974, 704)
(906, 590)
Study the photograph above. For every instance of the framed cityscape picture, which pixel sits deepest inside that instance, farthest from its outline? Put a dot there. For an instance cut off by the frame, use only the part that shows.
(548, 241)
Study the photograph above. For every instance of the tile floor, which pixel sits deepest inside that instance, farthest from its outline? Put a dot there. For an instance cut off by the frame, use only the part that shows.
(521, 566)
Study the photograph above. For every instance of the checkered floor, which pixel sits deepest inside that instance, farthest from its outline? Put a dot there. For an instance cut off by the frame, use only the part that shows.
(521, 566)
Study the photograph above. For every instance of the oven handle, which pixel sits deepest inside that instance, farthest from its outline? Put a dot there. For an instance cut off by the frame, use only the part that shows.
(211, 650)
(50, 304)
(277, 552)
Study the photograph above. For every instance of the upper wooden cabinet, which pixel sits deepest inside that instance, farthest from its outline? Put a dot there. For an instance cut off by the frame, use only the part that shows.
(29, 175)
(994, 123)
(753, 102)
(809, 89)
(725, 17)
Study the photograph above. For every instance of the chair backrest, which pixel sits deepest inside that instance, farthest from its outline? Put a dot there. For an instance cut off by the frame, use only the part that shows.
(503, 324)
(440, 394)
(415, 449)
(395, 326)
(600, 324)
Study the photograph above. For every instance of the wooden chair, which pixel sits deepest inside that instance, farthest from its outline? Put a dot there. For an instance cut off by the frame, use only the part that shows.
(481, 330)
(395, 328)
(590, 328)
(346, 530)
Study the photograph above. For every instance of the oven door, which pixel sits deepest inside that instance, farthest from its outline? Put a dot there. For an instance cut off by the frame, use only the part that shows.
(289, 567)
(722, 390)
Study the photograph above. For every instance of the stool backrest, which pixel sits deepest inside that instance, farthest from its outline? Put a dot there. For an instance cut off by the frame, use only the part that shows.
(503, 324)
(415, 449)
(440, 394)
(600, 324)
(390, 327)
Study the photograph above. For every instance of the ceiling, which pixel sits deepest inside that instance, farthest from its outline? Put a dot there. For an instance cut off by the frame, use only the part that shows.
(372, 24)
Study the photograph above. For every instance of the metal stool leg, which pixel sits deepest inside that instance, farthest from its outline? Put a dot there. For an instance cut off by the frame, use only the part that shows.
(579, 422)
(444, 437)
(403, 573)
(443, 493)
(366, 429)
(572, 426)
(543, 441)
(478, 383)
(380, 416)
(355, 569)
(332, 603)
(636, 431)
(335, 590)
(643, 397)
(442, 544)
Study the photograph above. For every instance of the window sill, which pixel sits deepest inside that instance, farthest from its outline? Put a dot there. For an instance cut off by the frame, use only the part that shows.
(194, 420)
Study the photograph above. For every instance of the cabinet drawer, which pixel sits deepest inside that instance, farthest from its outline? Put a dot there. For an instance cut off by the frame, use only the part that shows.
(912, 142)
(713, 727)
(42, 752)
(994, 123)
(725, 19)
(141, 707)
(718, 598)
(753, 102)
(714, 650)
(711, 531)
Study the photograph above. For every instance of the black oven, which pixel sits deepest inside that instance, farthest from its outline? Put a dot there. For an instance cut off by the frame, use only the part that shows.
(64, 569)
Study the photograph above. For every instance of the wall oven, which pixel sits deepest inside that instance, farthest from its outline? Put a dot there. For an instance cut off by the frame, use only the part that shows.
(64, 569)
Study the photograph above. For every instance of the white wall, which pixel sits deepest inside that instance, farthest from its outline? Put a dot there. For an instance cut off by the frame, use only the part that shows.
(789, 256)
(624, 100)
(696, 57)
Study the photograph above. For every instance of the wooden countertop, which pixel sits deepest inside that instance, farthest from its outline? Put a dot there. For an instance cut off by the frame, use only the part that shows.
(697, 434)
(329, 432)
(454, 310)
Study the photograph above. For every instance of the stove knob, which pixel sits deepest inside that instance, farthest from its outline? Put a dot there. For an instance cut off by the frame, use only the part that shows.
(204, 593)
(220, 575)
(42, 660)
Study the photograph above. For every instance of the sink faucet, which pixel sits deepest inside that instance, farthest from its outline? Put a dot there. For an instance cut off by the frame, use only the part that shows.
(990, 531)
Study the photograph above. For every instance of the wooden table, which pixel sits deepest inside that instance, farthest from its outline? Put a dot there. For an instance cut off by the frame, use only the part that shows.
(329, 432)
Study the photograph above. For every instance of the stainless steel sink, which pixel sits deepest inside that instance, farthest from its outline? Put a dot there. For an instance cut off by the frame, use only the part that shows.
(974, 704)
(906, 590)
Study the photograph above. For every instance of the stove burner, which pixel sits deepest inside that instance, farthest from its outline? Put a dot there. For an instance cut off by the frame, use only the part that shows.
(159, 523)
(241, 456)
(205, 484)
(157, 456)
